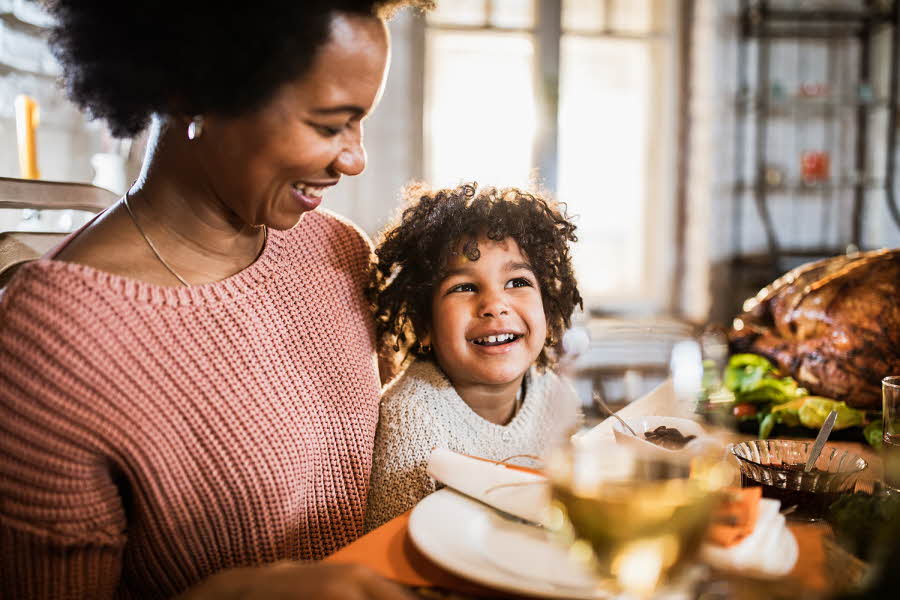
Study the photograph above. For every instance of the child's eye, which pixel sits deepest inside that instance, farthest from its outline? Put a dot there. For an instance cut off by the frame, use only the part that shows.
(518, 282)
(462, 287)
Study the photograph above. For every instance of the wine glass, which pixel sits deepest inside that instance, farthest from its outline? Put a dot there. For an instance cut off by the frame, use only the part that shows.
(635, 514)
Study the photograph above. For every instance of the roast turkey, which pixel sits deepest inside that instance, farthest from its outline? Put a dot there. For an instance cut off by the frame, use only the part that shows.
(833, 325)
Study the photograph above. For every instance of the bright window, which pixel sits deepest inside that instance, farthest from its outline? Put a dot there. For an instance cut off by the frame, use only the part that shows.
(613, 130)
(480, 114)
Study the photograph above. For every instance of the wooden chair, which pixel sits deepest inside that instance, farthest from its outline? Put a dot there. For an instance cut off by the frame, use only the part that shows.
(19, 247)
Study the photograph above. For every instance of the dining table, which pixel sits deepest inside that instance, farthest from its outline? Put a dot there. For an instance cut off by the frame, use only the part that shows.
(822, 568)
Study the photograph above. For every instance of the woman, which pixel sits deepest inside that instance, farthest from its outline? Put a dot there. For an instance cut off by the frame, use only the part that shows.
(189, 384)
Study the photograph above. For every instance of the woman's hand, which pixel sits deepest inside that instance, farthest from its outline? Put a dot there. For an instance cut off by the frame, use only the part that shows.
(289, 580)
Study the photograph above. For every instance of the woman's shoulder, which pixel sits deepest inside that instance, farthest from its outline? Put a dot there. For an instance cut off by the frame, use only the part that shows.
(322, 224)
(330, 242)
(42, 292)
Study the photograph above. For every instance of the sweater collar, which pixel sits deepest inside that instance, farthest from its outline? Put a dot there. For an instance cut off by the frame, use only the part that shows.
(428, 372)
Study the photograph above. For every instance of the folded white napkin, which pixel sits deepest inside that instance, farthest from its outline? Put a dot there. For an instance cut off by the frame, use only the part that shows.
(525, 495)
(769, 551)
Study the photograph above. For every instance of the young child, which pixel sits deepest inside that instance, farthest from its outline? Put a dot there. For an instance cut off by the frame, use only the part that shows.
(476, 286)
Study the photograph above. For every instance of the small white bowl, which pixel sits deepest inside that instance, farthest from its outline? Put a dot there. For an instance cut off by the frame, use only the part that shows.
(643, 424)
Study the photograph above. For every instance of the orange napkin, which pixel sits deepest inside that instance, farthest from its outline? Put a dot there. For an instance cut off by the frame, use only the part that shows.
(390, 552)
(736, 517)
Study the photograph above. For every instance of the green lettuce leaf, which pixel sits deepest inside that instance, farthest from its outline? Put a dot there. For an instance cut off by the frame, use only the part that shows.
(753, 378)
(873, 433)
(815, 410)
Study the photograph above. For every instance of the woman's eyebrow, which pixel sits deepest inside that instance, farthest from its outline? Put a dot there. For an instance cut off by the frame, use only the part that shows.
(343, 108)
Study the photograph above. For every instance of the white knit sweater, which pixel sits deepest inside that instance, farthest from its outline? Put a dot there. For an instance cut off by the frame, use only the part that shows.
(420, 410)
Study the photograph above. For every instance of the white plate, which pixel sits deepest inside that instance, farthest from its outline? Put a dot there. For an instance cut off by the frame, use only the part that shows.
(473, 541)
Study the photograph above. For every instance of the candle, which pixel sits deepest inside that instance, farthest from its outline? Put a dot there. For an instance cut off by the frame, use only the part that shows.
(26, 124)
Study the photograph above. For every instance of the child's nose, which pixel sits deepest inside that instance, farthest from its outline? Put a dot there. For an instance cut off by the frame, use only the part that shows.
(493, 306)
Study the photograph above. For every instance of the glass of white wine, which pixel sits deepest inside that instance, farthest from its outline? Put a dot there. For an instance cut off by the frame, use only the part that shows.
(636, 518)
(638, 522)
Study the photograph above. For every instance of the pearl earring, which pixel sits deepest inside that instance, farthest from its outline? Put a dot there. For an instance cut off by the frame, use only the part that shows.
(195, 127)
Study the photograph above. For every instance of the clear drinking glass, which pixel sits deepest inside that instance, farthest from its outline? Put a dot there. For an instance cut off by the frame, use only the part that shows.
(890, 391)
(635, 515)
(637, 521)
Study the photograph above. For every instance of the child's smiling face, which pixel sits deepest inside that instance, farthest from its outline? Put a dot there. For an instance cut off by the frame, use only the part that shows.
(493, 298)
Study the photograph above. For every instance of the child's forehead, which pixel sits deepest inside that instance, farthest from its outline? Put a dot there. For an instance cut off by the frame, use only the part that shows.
(470, 249)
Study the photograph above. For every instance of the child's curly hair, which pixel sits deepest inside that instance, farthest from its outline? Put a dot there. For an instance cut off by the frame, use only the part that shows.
(412, 256)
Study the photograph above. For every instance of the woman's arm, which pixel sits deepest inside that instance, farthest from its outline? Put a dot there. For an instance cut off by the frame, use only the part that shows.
(62, 521)
(62, 525)
(297, 581)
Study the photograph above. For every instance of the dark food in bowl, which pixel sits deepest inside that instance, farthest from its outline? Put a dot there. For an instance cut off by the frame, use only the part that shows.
(777, 466)
(811, 503)
(668, 437)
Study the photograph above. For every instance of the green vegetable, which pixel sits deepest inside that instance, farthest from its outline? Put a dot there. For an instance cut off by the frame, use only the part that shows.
(815, 410)
(744, 371)
(766, 425)
(753, 378)
(857, 520)
(771, 389)
(873, 433)
(788, 413)
(751, 381)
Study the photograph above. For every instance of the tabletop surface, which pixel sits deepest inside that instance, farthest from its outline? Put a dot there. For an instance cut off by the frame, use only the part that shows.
(389, 551)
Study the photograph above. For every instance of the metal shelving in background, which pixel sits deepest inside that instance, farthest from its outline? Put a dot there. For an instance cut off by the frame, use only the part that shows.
(857, 45)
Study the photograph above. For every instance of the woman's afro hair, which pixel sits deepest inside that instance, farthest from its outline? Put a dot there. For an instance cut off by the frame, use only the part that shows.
(412, 254)
(126, 60)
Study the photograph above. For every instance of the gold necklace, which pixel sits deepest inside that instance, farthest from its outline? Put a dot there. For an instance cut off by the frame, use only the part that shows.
(156, 252)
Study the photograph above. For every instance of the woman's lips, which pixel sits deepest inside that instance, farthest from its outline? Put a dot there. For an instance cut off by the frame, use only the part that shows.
(305, 201)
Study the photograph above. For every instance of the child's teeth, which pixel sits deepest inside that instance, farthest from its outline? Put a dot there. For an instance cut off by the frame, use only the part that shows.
(493, 339)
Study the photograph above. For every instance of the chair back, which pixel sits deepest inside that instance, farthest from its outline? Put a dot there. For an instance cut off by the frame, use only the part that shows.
(18, 247)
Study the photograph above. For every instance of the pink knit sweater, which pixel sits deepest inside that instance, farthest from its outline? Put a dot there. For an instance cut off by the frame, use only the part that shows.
(151, 436)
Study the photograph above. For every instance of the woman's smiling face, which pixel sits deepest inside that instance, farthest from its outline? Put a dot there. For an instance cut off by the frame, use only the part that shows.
(488, 323)
(271, 166)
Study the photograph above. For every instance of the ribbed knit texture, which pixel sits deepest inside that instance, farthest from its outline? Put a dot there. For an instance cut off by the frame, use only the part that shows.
(151, 436)
(420, 411)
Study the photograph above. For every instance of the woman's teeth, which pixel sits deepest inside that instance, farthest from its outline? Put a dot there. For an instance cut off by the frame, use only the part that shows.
(495, 340)
(309, 190)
